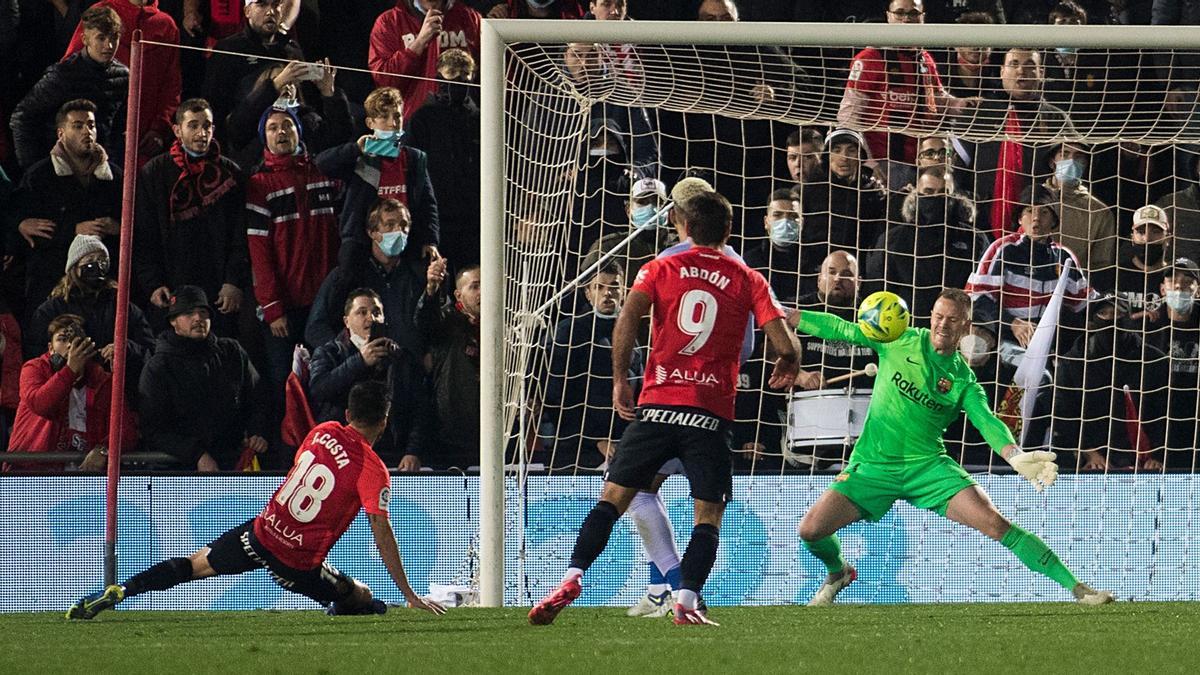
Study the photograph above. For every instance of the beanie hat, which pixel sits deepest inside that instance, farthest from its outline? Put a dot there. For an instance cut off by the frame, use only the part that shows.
(82, 245)
(277, 108)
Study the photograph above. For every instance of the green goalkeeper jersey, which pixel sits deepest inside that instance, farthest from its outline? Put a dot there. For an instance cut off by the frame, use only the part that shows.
(917, 394)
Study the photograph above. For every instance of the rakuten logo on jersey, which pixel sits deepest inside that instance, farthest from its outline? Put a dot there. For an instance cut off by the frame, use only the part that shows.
(678, 376)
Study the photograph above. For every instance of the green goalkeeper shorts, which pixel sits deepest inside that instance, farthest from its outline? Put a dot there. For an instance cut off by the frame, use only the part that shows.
(928, 484)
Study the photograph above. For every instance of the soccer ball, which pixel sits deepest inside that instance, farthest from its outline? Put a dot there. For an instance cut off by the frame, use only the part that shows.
(883, 316)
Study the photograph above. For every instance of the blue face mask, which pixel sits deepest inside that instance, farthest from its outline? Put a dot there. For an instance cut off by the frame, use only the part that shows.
(645, 217)
(785, 232)
(389, 134)
(1066, 50)
(1068, 171)
(393, 243)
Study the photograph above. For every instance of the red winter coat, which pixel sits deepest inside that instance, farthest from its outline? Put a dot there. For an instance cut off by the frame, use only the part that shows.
(41, 424)
(161, 78)
(292, 232)
(397, 28)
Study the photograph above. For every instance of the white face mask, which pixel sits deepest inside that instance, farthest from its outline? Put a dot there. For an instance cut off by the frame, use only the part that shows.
(1180, 301)
(785, 232)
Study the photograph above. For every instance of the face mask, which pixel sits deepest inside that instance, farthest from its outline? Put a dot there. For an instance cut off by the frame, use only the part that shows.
(389, 134)
(601, 151)
(602, 315)
(1068, 171)
(1152, 254)
(1066, 50)
(931, 209)
(453, 93)
(92, 274)
(393, 243)
(1180, 301)
(785, 232)
(645, 217)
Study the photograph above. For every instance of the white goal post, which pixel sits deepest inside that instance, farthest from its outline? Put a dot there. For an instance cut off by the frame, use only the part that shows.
(497, 196)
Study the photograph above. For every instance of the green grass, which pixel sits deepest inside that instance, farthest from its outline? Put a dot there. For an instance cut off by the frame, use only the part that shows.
(1053, 638)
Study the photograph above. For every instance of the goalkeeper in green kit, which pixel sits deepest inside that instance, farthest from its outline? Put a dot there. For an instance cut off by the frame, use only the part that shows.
(922, 385)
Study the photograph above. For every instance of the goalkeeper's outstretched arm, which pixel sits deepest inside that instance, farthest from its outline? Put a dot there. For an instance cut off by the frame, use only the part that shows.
(1037, 467)
(829, 327)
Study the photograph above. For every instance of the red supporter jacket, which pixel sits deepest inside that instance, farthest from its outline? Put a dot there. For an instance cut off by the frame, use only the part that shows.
(397, 28)
(292, 232)
(42, 425)
(161, 79)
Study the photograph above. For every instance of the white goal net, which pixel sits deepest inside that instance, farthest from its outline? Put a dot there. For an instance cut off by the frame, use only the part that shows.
(1049, 171)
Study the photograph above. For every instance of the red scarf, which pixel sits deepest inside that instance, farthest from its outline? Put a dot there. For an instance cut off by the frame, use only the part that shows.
(393, 177)
(1009, 167)
(202, 181)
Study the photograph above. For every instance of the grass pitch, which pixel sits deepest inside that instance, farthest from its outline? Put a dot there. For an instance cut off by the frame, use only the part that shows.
(979, 638)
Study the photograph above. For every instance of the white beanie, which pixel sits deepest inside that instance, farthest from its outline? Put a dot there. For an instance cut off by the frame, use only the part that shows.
(82, 245)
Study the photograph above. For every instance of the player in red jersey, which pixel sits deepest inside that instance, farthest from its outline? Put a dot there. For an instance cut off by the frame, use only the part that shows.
(335, 473)
(701, 300)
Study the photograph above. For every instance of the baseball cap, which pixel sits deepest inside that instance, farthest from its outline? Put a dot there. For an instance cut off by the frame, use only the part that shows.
(1151, 214)
(1185, 266)
(647, 186)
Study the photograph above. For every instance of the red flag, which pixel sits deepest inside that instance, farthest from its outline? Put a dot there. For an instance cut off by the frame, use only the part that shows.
(297, 416)
(1138, 440)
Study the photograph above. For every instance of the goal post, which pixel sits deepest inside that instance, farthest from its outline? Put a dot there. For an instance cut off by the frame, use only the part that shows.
(524, 85)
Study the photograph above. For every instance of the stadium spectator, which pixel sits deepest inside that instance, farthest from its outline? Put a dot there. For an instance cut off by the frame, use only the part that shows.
(326, 122)
(898, 88)
(934, 248)
(65, 399)
(381, 166)
(1002, 169)
(446, 128)
(970, 70)
(75, 190)
(1178, 68)
(256, 48)
(91, 72)
(359, 353)
(1016, 278)
(1090, 397)
(601, 178)
(805, 148)
(593, 68)
(201, 401)
(1086, 225)
(393, 269)
(953, 11)
(1176, 333)
(189, 227)
(531, 9)
(848, 211)
(1141, 262)
(161, 79)
(452, 332)
(578, 408)
(777, 256)
(607, 10)
(292, 236)
(1183, 208)
(87, 291)
(408, 40)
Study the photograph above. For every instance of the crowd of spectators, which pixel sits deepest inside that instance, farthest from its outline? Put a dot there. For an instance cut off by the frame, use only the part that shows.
(289, 204)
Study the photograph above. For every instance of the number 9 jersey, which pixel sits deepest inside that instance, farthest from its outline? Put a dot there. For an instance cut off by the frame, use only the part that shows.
(335, 472)
(701, 299)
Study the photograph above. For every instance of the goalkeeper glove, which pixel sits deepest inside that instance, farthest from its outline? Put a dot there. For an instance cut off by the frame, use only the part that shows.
(1037, 467)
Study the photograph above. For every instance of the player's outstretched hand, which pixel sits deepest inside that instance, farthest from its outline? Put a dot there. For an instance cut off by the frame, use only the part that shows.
(1037, 467)
(784, 374)
(623, 398)
(418, 602)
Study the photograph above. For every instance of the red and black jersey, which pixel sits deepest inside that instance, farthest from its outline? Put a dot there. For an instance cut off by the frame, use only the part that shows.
(702, 299)
(335, 472)
(291, 231)
(899, 88)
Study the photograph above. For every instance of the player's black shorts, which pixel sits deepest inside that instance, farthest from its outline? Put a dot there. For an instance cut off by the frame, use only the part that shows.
(697, 437)
(239, 551)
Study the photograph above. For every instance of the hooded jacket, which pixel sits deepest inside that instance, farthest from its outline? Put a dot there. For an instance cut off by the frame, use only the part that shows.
(839, 213)
(161, 78)
(200, 396)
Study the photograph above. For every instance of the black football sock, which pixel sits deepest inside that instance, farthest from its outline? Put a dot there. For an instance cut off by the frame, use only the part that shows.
(164, 575)
(699, 558)
(594, 534)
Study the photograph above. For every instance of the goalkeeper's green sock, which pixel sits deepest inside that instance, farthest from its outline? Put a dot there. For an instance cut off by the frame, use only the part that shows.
(829, 551)
(1037, 556)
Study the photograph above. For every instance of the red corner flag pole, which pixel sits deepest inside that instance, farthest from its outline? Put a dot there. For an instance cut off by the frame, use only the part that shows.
(121, 330)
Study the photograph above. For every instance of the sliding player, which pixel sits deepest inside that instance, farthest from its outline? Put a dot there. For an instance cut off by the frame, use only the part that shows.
(922, 386)
(336, 471)
(701, 299)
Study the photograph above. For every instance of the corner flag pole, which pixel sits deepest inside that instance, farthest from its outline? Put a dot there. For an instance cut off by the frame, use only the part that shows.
(121, 330)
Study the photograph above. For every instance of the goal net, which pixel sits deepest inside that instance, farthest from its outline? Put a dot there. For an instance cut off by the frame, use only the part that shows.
(1049, 171)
